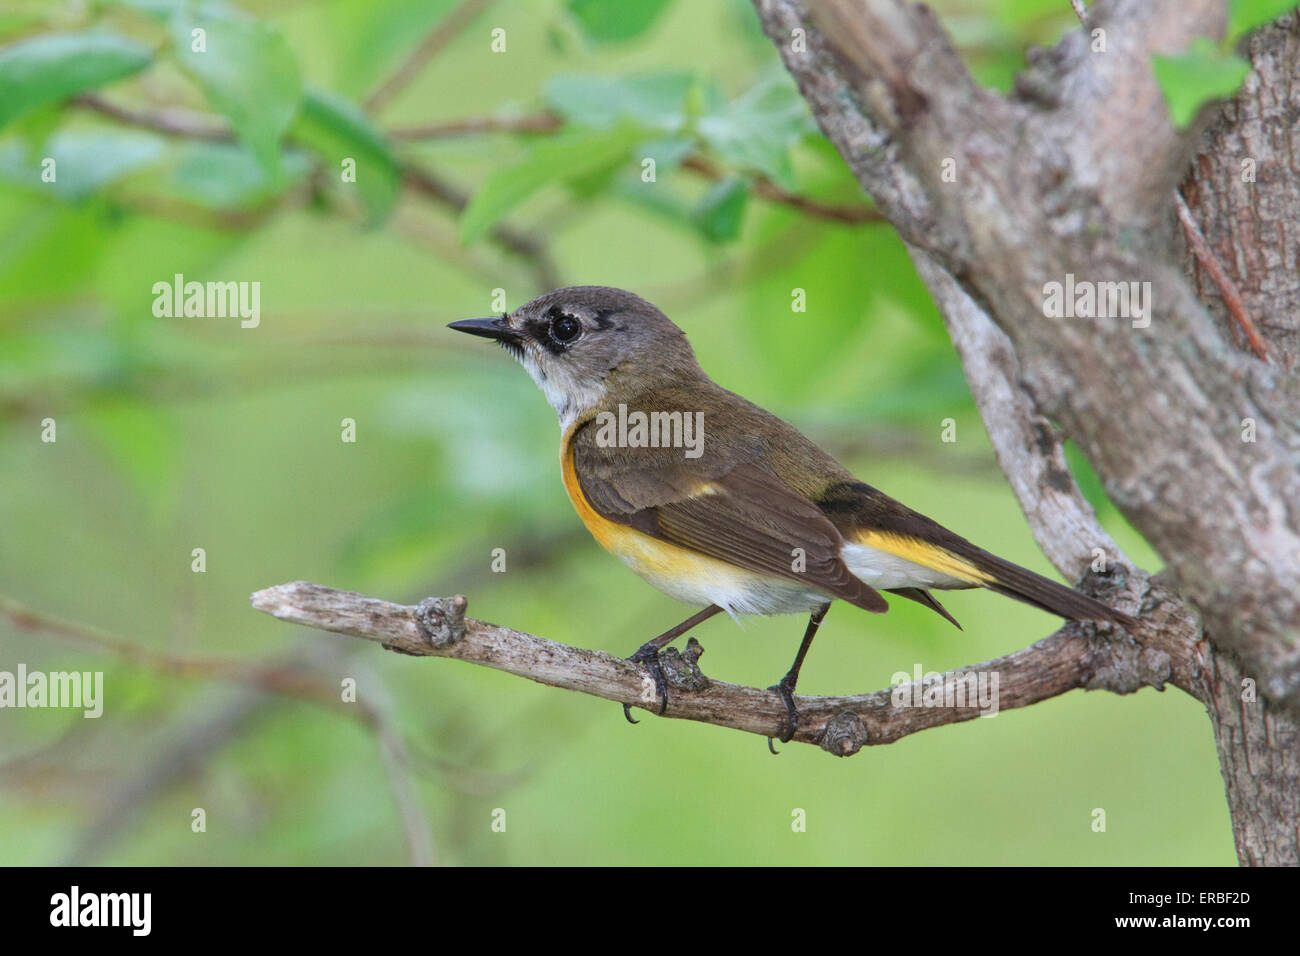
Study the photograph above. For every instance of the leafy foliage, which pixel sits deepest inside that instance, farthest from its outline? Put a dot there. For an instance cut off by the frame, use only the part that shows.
(247, 71)
(1203, 74)
(175, 434)
(48, 68)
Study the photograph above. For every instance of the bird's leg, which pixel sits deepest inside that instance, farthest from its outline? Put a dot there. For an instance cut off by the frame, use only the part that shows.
(648, 654)
(786, 685)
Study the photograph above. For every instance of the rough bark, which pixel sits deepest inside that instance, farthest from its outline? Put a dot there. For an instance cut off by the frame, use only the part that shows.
(1244, 187)
(1051, 181)
(1075, 657)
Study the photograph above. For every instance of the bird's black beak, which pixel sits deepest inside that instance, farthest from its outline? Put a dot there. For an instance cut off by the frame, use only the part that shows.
(494, 328)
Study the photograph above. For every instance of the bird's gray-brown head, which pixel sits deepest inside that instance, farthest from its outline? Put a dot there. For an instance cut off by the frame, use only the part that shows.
(589, 346)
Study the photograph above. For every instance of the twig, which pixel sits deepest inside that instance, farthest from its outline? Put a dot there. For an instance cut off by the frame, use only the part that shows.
(179, 757)
(291, 677)
(397, 765)
(420, 180)
(433, 43)
(534, 123)
(1207, 260)
(285, 677)
(179, 123)
(1070, 658)
(426, 183)
(696, 163)
(1080, 10)
(766, 189)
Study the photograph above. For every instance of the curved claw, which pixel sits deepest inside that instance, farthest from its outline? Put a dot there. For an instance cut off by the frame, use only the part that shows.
(772, 748)
(648, 655)
(791, 714)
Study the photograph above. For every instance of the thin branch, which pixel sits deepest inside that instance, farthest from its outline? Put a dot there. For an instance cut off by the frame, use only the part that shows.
(534, 123)
(1208, 261)
(185, 125)
(169, 122)
(286, 677)
(1073, 657)
(291, 677)
(170, 762)
(529, 247)
(398, 766)
(766, 189)
(436, 40)
(1080, 10)
(697, 163)
(1029, 449)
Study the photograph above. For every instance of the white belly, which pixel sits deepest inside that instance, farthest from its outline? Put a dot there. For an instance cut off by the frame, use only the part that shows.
(735, 590)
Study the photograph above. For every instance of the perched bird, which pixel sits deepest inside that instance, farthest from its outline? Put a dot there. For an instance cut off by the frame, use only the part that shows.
(719, 503)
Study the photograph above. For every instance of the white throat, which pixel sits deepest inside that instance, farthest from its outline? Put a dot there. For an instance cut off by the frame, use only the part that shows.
(567, 396)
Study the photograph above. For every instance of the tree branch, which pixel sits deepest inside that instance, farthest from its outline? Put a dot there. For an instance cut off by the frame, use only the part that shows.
(1076, 656)
(1047, 182)
(1044, 185)
(443, 33)
(763, 187)
(473, 125)
(420, 180)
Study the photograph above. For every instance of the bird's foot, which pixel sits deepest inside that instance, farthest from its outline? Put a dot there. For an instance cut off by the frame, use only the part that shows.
(669, 667)
(648, 655)
(786, 689)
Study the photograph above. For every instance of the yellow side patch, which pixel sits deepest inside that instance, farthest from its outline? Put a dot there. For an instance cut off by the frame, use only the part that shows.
(925, 554)
(609, 534)
(680, 573)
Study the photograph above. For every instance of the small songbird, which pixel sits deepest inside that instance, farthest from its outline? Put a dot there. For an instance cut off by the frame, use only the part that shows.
(715, 501)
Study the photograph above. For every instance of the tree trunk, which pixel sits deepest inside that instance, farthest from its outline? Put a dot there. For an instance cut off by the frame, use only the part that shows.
(1195, 435)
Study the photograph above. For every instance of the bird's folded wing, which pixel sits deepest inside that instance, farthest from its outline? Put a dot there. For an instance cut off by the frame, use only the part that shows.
(740, 513)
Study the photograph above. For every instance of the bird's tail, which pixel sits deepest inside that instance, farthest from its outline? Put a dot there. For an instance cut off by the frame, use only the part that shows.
(960, 561)
(1043, 593)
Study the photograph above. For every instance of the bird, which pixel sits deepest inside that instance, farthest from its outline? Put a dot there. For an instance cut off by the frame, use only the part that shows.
(717, 502)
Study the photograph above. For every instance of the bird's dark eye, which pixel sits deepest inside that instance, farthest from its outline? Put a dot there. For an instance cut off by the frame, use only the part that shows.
(565, 328)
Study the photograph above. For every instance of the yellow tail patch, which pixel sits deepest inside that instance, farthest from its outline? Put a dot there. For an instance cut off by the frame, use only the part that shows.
(925, 554)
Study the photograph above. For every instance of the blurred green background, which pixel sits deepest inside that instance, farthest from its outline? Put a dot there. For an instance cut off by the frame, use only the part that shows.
(183, 433)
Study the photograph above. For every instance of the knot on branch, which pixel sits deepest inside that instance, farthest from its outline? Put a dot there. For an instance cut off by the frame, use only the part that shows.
(1107, 585)
(681, 670)
(442, 620)
(845, 734)
(1124, 666)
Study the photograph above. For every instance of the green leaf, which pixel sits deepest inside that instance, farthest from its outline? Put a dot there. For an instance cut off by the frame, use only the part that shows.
(248, 72)
(561, 159)
(49, 68)
(1245, 15)
(1192, 79)
(223, 176)
(84, 160)
(656, 100)
(721, 210)
(758, 130)
(615, 21)
(335, 129)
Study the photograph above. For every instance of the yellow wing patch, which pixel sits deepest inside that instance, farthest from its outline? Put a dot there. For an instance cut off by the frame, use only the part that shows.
(925, 554)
